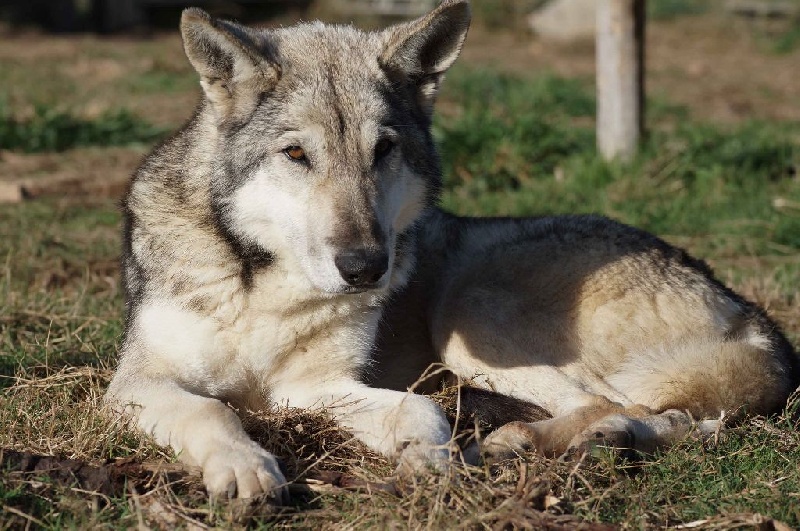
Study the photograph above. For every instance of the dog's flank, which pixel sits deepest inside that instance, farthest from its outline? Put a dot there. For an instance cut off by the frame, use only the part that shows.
(285, 247)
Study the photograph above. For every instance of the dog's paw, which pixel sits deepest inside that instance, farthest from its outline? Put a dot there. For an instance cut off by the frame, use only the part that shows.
(509, 441)
(615, 433)
(417, 456)
(710, 428)
(244, 470)
(420, 435)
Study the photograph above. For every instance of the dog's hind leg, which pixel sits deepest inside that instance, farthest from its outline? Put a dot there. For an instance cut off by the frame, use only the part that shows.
(554, 436)
(714, 380)
(645, 435)
(700, 378)
(632, 429)
(708, 376)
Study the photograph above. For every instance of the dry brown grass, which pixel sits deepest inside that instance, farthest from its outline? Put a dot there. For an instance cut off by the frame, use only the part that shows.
(60, 413)
(106, 475)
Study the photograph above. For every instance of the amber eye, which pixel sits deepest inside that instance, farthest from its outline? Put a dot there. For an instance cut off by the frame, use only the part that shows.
(295, 153)
(382, 148)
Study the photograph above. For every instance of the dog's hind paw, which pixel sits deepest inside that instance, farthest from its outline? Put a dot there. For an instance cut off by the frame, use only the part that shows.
(614, 435)
(509, 441)
(244, 470)
(628, 436)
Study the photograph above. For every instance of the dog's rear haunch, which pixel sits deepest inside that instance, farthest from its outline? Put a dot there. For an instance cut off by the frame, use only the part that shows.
(285, 247)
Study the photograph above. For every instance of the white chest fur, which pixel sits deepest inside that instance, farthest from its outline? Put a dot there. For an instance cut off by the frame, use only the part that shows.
(258, 342)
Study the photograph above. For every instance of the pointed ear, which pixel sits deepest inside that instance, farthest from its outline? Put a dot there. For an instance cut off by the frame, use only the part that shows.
(236, 64)
(423, 49)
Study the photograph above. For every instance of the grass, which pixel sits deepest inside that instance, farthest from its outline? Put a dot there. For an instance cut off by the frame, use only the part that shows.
(779, 37)
(670, 9)
(60, 276)
(510, 146)
(787, 40)
(746, 472)
(531, 151)
(50, 129)
(508, 14)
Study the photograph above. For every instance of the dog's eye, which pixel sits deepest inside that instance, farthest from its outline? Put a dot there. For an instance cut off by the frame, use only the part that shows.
(382, 148)
(295, 153)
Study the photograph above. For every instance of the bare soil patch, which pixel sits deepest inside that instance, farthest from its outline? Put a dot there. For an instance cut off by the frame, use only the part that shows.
(93, 172)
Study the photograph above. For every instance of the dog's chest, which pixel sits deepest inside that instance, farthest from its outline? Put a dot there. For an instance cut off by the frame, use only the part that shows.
(247, 340)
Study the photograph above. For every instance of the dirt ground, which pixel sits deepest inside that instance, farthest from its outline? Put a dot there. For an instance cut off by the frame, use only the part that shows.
(719, 67)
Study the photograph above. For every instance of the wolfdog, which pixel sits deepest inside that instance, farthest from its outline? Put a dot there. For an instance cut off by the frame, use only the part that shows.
(285, 247)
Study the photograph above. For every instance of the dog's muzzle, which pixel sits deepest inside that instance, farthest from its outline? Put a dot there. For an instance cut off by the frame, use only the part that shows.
(362, 267)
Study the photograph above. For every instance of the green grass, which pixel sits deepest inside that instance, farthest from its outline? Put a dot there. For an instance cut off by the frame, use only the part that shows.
(751, 470)
(508, 14)
(787, 40)
(670, 9)
(508, 132)
(520, 148)
(510, 146)
(50, 129)
(59, 277)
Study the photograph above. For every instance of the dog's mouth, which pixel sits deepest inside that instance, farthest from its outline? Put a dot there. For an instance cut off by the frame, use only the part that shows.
(352, 290)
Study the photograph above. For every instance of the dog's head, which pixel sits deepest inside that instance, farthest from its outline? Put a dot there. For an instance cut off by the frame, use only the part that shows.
(323, 155)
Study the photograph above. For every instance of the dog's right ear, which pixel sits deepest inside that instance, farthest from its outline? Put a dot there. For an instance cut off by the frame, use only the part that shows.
(236, 64)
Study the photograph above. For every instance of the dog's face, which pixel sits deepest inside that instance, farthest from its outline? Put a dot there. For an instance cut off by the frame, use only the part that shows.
(324, 156)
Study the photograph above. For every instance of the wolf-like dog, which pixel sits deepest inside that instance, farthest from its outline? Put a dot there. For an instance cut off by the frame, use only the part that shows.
(285, 247)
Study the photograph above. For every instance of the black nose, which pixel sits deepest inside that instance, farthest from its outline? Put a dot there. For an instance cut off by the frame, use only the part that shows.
(360, 267)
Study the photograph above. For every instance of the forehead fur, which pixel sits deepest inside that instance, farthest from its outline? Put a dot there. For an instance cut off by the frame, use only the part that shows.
(333, 74)
(306, 45)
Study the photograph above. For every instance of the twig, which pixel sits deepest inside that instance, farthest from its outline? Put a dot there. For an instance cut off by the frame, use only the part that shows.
(14, 510)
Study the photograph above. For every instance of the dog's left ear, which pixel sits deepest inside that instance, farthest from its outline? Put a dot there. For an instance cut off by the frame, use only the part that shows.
(423, 49)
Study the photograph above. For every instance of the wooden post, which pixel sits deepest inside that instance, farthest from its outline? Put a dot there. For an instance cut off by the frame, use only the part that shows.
(620, 77)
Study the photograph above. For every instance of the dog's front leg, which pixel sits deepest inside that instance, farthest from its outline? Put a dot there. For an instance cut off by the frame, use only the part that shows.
(401, 425)
(203, 431)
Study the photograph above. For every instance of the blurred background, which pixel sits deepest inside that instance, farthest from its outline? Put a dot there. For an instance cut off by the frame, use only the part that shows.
(78, 73)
